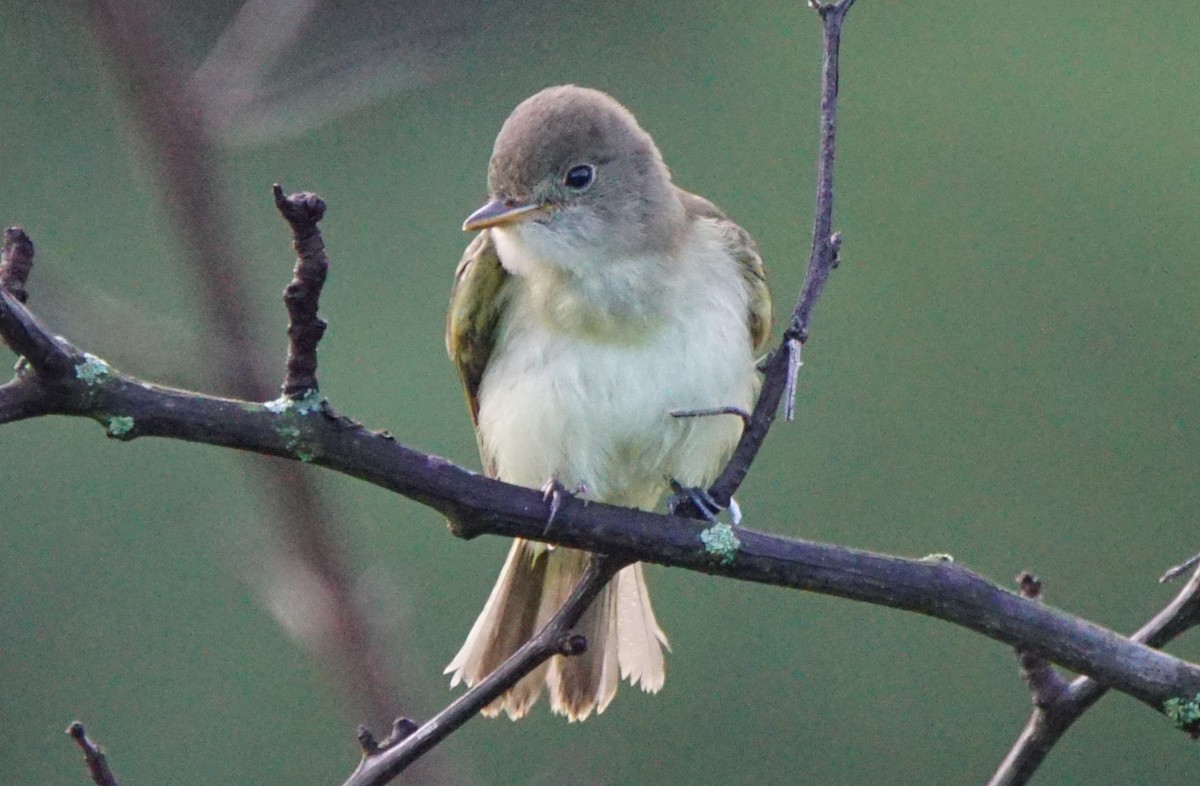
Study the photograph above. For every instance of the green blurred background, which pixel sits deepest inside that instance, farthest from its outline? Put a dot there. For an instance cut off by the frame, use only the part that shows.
(1004, 368)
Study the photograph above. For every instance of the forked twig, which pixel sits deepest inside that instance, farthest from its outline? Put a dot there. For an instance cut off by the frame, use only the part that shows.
(1055, 712)
(382, 762)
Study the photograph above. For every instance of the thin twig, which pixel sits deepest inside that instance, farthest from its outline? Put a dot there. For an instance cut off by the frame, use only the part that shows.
(782, 366)
(709, 412)
(382, 762)
(42, 351)
(93, 756)
(21, 400)
(1180, 569)
(37, 346)
(302, 212)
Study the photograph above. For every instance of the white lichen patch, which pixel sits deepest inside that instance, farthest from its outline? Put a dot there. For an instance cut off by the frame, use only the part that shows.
(311, 401)
(279, 405)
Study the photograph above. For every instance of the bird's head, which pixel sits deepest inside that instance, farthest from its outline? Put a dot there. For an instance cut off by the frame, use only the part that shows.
(574, 178)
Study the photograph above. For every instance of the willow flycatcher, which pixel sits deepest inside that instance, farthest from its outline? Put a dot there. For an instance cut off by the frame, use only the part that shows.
(597, 299)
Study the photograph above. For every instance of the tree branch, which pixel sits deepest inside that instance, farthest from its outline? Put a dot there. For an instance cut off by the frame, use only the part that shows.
(382, 763)
(39, 348)
(16, 261)
(478, 505)
(1045, 684)
(1055, 712)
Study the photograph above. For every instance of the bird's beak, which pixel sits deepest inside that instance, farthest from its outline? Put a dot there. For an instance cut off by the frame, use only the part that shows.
(499, 211)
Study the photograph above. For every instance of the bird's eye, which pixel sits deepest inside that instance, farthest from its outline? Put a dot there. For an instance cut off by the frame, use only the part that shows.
(579, 177)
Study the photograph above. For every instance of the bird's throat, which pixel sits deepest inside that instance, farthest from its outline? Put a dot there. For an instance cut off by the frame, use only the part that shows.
(605, 298)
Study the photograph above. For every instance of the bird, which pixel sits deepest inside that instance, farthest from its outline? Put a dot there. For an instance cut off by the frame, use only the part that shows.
(595, 304)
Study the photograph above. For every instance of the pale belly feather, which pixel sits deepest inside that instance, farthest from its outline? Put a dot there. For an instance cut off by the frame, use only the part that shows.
(597, 414)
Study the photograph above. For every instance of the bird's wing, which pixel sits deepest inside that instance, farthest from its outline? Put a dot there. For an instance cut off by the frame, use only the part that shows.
(476, 304)
(754, 274)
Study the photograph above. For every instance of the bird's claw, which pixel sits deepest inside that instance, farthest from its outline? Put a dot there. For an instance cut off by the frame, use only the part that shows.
(702, 501)
(553, 492)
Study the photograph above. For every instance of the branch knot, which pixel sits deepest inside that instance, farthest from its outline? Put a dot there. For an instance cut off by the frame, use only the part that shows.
(16, 261)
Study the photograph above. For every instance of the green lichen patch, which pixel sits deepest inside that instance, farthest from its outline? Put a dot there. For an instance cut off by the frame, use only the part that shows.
(119, 425)
(722, 542)
(1183, 712)
(293, 439)
(92, 370)
(290, 434)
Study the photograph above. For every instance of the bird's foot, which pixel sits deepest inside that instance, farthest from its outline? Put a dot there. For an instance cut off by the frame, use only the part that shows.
(554, 492)
(699, 499)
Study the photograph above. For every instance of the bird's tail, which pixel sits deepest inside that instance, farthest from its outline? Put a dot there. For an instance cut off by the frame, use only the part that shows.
(623, 637)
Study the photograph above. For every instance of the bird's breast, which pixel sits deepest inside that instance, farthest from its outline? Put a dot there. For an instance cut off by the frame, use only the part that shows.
(588, 400)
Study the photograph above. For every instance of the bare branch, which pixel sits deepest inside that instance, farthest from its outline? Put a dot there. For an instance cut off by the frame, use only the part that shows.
(305, 329)
(93, 756)
(41, 350)
(22, 399)
(1180, 569)
(709, 412)
(477, 505)
(385, 761)
(1054, 715)
(783, 364)
(23, 334)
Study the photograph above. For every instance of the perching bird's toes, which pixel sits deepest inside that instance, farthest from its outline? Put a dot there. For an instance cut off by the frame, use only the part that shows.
(701, 501)
(697, 497)
(553, 492)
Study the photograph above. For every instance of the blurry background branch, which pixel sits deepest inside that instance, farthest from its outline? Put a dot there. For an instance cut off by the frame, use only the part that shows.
(181, 116)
